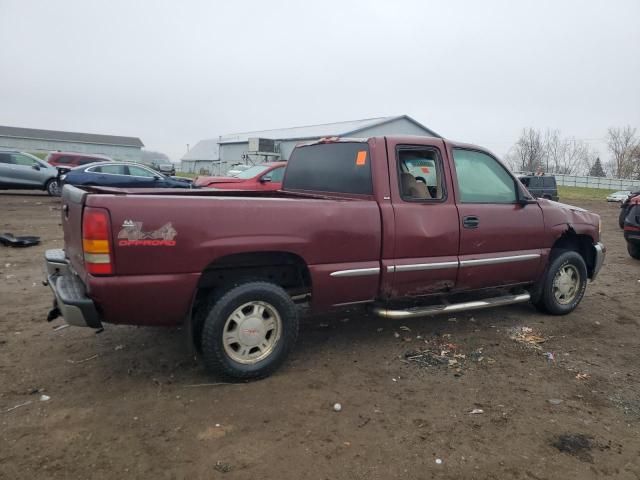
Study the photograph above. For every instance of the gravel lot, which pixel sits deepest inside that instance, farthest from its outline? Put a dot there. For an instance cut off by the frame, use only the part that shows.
(555, 397)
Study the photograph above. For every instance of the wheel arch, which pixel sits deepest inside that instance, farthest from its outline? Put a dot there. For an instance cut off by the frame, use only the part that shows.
(577, 242)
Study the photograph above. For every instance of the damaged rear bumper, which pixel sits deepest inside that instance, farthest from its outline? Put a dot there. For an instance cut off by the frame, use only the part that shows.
(70, 295)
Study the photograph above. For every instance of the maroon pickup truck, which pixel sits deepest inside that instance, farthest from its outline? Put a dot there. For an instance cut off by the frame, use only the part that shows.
(408, 226)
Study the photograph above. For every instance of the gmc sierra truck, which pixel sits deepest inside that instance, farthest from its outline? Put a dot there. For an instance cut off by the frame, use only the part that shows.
(408, 226)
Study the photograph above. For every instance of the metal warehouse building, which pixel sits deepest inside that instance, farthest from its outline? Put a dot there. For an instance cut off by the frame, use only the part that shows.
(34, 140)
(218, 154)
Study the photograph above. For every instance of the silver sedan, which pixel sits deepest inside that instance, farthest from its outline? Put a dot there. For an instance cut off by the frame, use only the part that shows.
(19, 170)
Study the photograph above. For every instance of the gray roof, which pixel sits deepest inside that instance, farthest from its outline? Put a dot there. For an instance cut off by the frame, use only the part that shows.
(203, 150)
(75, 137)
(340, 129)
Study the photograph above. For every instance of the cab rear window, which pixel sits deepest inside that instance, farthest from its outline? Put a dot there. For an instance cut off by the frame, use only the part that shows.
(342, 167)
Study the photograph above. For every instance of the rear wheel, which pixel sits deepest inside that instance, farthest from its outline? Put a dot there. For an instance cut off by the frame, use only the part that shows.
(634, 250)
(53, 187)
(564, 284)
(249, 331)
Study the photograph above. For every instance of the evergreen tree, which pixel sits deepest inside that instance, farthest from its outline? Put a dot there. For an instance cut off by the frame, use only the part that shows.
(596, 170)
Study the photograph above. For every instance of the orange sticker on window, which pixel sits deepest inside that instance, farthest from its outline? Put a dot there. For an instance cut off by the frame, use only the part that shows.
(361, 159)
(424, 169)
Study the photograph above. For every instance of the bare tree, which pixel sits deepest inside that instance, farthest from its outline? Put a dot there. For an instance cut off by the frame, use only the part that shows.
(624, 145)
(528, 152)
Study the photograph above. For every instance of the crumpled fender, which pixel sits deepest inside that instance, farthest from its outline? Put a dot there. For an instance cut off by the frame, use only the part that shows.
(560, 218)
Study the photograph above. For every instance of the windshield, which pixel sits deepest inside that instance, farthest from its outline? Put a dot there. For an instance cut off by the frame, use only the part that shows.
(252, 172)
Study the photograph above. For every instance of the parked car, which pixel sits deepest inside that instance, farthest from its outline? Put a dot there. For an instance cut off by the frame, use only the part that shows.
(352, 225)
(541, 186)
(20, 170)
(619, 196)
(625, 206)
(632, 227)
(266, 176)
(166, 168)
(120, 174)
(69, 160)
(236, 169)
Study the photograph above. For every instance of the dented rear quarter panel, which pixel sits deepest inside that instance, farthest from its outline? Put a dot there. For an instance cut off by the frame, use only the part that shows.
(158, 281)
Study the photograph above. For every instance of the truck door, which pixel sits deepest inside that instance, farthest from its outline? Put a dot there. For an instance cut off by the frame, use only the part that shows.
(500, 240)
(427, 230)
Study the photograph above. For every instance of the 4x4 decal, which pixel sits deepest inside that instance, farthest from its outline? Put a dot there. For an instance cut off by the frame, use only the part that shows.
(132, 235)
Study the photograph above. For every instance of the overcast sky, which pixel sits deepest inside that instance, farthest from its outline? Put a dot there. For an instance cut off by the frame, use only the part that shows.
(173, 73)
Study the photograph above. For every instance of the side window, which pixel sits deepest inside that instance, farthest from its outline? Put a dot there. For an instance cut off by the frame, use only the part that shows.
(535, 182)
(86, 161)
(419, 173)
(549, 182)
(111, 169)
(64, 160)
(140, 172)
(277, 174)
(23, 160)
(6, 158)
(481, 179)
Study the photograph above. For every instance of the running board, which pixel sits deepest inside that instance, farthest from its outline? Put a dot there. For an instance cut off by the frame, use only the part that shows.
(454, 307)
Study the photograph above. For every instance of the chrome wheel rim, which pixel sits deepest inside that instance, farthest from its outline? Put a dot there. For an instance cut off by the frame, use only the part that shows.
(565, 284)
(252, 332)
(54, 188)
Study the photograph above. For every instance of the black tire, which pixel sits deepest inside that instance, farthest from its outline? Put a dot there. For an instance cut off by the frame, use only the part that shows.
(547, 301)
(634, 250)
(218, 360)
(52, 187)
(622, 216)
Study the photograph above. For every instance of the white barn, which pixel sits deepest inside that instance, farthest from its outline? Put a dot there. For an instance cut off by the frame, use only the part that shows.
(216, 155)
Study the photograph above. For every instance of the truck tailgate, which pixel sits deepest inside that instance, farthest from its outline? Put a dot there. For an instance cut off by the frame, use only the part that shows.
(73, 200)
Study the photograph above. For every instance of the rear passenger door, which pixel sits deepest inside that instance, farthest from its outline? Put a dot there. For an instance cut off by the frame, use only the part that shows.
(500, 240)
(427, 229)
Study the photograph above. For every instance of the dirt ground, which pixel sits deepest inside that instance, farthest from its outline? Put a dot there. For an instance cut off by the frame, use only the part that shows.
(559, 396)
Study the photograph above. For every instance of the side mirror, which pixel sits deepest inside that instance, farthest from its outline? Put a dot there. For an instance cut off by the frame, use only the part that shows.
(265, 179)
(156, 178)
(524, 198)
(35, 166)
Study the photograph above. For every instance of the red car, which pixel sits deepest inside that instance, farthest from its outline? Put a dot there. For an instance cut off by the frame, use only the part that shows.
(74, 159)
(265, 176)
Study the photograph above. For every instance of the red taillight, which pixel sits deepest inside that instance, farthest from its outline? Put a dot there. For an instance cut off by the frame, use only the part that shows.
(96, 230)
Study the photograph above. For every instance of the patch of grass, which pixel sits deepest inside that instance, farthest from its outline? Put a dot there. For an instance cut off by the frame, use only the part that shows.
(40, 155)
(186, 174)
(582, 193)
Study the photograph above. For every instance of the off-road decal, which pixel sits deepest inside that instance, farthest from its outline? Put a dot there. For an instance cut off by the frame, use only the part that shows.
(132, 235)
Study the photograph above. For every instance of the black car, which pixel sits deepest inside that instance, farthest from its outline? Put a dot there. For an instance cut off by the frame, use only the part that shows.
(541, 186)
(166, 168)
(624, 208)
(120, 174)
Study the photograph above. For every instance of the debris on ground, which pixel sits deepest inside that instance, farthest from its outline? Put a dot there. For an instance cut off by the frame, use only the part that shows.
(405, 328)
(577, 445)
(118, 347)
(17, 406)
(550, 356)
(222, 467)
(61, 327)
(582, 376)
(527, 336)
(44, 398)
(555, 401)
(476, 411)
(83, 360)
(439, 461)
(443, 353)
(337, 407)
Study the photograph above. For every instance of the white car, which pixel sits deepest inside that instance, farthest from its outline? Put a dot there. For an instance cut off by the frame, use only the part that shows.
(620, 196)
(236, 169)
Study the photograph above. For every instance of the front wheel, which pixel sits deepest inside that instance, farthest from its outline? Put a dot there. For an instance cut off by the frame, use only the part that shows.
(564, 284)
(53, 188)
(634, 250)
(249, 331)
